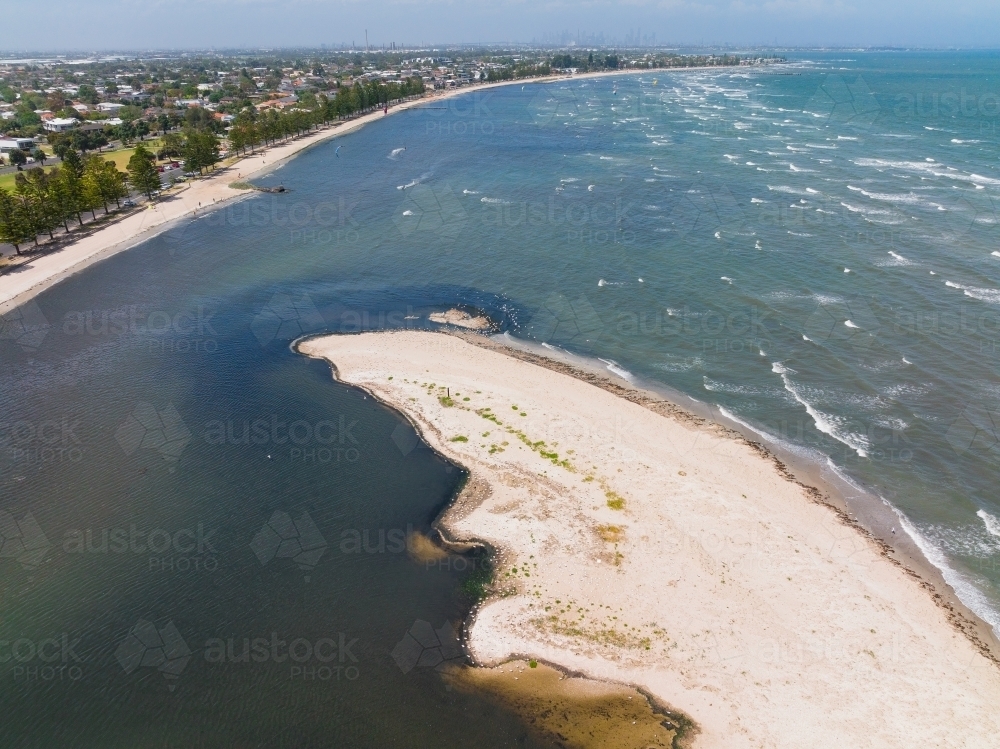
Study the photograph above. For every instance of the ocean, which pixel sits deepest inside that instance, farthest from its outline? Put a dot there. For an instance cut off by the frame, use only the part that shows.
(204, 535)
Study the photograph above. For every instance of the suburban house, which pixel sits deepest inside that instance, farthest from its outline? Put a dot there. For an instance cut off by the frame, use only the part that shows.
(9, 144)
(60, 124)
(285, 101)
(109, 106)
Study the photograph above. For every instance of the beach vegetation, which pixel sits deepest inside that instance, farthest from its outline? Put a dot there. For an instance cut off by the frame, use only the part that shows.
(460, 438)
(484, 412)
(615, 501)
(446, 401)
(611, 533)
(479, 583)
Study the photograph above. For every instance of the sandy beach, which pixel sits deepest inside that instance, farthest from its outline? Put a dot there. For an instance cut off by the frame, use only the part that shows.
(21, 283)
(670, 554)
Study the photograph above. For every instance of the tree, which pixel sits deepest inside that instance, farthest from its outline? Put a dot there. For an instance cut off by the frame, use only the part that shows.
(39, 155)
(14, 227)
(72, 161)
(173, 145)
(201, 150)
(41, 213)
(56, 101)
(88, 94)
(18, 157)
(63, 195)
(113, 183)
(142, 173)
(92, 195)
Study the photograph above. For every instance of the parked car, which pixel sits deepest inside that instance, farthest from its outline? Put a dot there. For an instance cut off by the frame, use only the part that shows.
(128, 203)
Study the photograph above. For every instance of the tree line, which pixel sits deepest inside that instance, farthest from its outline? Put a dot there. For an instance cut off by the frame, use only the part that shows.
(252, 128)
(42, 201)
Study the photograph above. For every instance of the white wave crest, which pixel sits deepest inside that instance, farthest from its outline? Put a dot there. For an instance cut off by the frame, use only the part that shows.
(984, 295)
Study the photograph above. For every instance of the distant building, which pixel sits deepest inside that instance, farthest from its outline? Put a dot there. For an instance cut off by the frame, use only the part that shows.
(60, 124)
(109, 106)
(9, 144)
(285, 101)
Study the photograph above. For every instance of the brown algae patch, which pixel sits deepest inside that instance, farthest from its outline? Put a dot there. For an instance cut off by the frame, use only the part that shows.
(574, 712)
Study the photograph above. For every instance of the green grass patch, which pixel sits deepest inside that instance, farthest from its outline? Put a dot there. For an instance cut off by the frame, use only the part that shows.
(615, 501)
(477, 584)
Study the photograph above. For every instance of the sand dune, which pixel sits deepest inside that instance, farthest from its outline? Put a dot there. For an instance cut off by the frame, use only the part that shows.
(668, 554)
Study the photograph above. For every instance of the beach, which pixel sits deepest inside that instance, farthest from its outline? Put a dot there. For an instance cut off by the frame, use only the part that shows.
(646, 547)
(26, 280)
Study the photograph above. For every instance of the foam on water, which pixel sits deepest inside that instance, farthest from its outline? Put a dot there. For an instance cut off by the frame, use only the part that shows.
(967, 592)
(824, 422)
(984, 295)
(615, 368)
(992, 524)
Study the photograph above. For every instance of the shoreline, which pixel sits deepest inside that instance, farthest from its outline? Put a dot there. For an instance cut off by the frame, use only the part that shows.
(502, 628)
(871, 516)
(29, 279)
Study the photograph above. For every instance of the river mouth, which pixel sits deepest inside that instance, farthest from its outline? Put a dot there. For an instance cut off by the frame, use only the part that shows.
(225, 549)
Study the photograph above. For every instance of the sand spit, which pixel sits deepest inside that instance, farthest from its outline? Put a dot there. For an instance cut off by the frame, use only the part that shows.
(461, 319)
(654, 550)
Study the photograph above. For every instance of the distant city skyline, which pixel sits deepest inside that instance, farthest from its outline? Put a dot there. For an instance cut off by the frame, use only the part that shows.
(99, 25)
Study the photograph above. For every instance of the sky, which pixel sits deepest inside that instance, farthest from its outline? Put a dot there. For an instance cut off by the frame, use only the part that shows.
(108, 25)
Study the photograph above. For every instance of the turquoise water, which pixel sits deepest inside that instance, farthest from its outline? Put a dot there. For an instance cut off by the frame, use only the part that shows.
(807, 249)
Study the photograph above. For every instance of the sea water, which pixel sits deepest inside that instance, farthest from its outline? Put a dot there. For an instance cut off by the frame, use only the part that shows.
(203, 532)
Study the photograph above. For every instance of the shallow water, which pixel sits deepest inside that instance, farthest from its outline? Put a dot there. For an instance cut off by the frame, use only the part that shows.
(694, 229)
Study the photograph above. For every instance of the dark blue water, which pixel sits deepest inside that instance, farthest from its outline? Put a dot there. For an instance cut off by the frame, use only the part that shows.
(809, 248)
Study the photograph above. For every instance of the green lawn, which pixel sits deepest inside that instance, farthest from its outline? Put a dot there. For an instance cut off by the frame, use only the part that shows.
(120, 156)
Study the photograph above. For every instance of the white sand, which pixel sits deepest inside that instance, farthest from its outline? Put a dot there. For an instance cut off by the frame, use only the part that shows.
(721, 587)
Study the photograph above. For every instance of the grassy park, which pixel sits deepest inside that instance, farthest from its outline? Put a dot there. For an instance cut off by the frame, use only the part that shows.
(119, 156)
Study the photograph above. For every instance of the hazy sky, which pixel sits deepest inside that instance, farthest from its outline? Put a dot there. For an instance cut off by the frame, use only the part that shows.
(175, 24)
